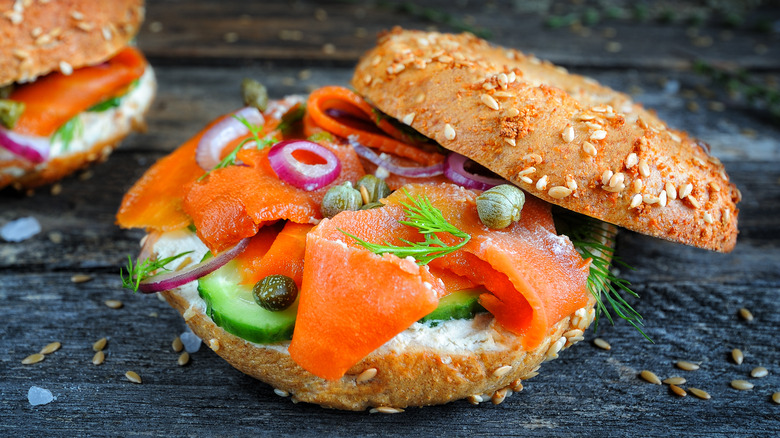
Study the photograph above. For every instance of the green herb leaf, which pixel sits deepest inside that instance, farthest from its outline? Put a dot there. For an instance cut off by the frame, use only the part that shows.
(106, 105)
(261, 143)
(428, 220)
(143, 270)
(67, 132)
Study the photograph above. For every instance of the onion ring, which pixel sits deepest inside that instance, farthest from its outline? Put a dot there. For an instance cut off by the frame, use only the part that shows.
(209, 151)
(304, 176)
(387, 164)
(454, 169)
(33, 149)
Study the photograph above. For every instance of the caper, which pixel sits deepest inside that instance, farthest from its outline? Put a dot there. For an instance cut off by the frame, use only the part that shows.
(275, 292)
(10, 111)
(340, 198)
(254, 94)
(375, 188)
(499, 206)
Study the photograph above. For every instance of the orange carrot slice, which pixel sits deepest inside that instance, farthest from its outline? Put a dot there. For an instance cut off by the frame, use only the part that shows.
(333, 97)
(56, 98)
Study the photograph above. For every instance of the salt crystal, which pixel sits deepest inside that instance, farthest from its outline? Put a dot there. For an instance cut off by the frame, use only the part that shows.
(39, 396)
(191, 342)
(20, 229)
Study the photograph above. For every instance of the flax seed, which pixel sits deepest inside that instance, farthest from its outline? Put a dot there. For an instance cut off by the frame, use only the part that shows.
(650, 377)
(98, 358)
(51, 348)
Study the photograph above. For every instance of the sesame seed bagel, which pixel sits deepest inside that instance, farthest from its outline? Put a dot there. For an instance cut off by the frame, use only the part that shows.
(38, 37)
(561, 137)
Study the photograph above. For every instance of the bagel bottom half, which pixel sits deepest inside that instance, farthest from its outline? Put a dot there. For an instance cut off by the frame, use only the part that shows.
(475, 359)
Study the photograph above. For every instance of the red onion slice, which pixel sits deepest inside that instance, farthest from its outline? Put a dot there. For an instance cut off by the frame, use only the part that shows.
(209, 151)
(173, 279)
(387, 164)
(33, 149)
(304, 176)
(454, 169)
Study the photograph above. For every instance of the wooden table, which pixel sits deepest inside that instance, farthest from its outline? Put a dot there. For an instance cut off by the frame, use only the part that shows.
(202, 49)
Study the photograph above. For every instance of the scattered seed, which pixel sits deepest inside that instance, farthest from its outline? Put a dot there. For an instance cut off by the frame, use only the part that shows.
(677, 390)
(499, 396)
(133, 377)
(776, 397)
(568, 134)
(737, 356)
(366, 375)
(589, 148)
(636, 201)
(502, 371)
(489, 102)
(687, 366)
(51, 348)
(759, 372)
(675, 380)
(449, 133)
(742, 385)
(214, 344)
(598, 135)
(704, 395)
(114, 304)
(33, 358)
(281, 392)
(559, 192)
(80, 278)
(98, 358)
(183, 359)
(385, 410)
(408, 119)
(177, 345)
(474, 399)
(604, 345)
(650, 377)
(745, 314)
(100, 344)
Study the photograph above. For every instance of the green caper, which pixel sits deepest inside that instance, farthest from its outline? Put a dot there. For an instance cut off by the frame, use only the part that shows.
(254, 94)
(375, 188)
(10, 111)
(499, 206)
(340, 198)
(275, 292)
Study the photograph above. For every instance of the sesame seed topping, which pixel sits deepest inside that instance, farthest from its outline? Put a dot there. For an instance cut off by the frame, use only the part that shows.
(650, 199)
(644, 169)
(449, 132)
(107, 33)
(593, 125)
(605, 177)
(616, 179)
(77, 15)
(183, 359)
(489, 102)
(585, 117)
(589, 149)
(281, 392)
(631, 160)
(114, 304)
(685, 190)
(542, 183)
(715, 187)
(367, 79)
(559, 192)
(510, 141)
(536, 158)
(503, 79)
(568, 134)
(693, 201)
(98, 358)
(80, 278)
(707, 217)
(100, 344)
(671, 191)
(737, 356)
(726, 217)
(385, 410)
(674, 136)
(598, 135)
(420, 98)
(636, 201)
(570, 182)
(662, 200)
(512, 112)
(511, 77)
(366, 375)
(502, 94)
(776, 397)
(408, 119)
(502, 371)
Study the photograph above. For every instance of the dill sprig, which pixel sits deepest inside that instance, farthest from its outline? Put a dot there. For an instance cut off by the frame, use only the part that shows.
(230, 159)
(68, 132)
(592, 241)
(428, 221)
(142, 270)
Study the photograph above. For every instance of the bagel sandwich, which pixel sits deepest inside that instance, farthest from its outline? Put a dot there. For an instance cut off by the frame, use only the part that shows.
(419, 219)
(72, 86)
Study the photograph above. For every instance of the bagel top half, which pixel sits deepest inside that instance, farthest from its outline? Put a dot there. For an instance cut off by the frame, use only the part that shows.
(561, 137)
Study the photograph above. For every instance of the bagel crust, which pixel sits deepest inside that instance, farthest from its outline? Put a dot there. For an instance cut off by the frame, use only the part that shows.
(38, 37)
(561, 137)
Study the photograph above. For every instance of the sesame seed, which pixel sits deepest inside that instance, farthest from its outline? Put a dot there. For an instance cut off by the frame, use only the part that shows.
(367, 79)
(214, 344)
(776, 398)
(526, 180)
(530, 375)
(80, 278)
(408, 119)
(281, 392)
(377, 59)
(675, 380)
(650, 377)
(449, 132)
(636, 201)
(586, 117)
(593, 125)
(687, 366)
(616, 179)
(662, 198)
(726, 217)
(674, 136)
(99, 344)
(559, 192)
(183, 359)
(51, 348)
(693, 201)
(631, 160)
(605, 177)
(685, 190)
(512, 112)
(759, 372)
(568, 134)
(707, 217)
(98, 358)
(510, 141)
(502, 94)
(499, 396)
(644, 169)
(33, 358)
(66, 68)
(671, 191)
(489, 102)
(86, 27)
(552, 352)
(474, 399)
(366, 375)
(542, 183)
(177, 344)
(77, 15)
(637, 185)
(745, 314)
(573, 333)
(511, 77)
(385, 410)
(570, 182)
(704, 395)
(598, 135)
(114, 304)
(517, 385)
(133, 377)
(604, 345)
(677, 390)
(444, 59)
(502, 371)
(503, 79)
(189, 314)
(589, 149)
(107, 33)
(737, 356)
(536, 158)
(742, 385)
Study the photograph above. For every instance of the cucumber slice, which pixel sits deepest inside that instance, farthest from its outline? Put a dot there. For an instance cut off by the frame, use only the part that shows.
(231, 306)
(461, 304)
